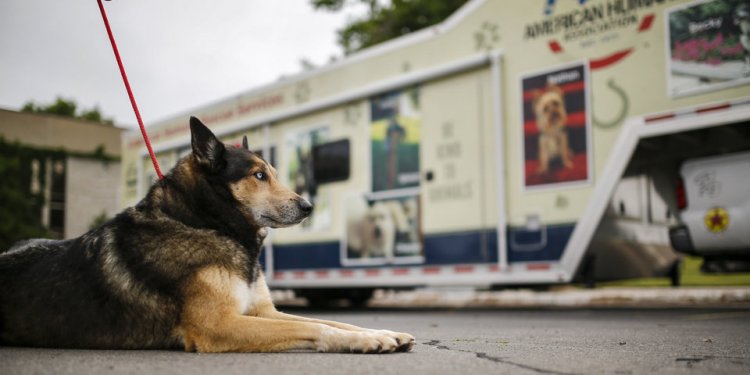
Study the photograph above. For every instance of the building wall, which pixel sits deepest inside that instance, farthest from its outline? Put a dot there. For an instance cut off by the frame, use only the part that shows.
(49, 131)
(91, 188)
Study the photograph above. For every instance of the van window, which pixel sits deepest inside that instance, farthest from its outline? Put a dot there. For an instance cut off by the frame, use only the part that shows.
(331, 161)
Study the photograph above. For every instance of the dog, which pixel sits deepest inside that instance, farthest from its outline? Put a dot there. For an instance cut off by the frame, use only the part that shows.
(742, 20)
(551, 117)
(372, 232)
(377, 230)
(178, 270)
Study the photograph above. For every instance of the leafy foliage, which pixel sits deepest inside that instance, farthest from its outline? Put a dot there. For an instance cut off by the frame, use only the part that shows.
(20, 215)
(67, 108)
(23, 186)
(98, 220)
(384, 22)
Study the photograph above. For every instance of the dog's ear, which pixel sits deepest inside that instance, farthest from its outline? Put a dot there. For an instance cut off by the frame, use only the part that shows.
(244, 143)
(535, 95)
(207, 149)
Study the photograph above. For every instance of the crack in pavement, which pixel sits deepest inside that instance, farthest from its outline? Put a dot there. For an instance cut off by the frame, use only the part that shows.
(481, 355)
(690, 361)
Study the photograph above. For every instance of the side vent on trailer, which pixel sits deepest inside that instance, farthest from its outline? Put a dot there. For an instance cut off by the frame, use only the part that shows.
(532, 238)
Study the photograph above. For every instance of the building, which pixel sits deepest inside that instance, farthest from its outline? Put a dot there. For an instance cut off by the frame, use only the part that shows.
(72, 165)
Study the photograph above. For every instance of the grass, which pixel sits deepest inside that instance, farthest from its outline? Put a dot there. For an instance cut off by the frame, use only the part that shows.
(690, 275)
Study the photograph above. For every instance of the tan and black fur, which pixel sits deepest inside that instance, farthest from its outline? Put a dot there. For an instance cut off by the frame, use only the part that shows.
(178, 270)
(551, 118)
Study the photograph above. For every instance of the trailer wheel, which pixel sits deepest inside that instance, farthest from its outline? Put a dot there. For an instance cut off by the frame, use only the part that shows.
(358, 298)
(331, 298)
(320, 302)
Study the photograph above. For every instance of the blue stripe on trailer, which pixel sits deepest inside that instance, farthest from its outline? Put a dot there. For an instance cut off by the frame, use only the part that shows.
(458, 248)
(441, 249)
(262, 258)
(305, 256)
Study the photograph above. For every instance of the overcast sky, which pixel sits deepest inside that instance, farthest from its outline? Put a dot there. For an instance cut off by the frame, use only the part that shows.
(178, 54)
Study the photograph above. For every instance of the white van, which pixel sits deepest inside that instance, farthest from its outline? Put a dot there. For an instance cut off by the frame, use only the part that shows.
(714, 210)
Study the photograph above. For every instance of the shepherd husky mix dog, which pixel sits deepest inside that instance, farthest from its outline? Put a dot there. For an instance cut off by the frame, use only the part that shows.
(178, 270)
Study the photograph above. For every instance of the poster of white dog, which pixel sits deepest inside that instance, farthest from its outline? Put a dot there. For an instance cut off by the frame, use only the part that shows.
(382, 231)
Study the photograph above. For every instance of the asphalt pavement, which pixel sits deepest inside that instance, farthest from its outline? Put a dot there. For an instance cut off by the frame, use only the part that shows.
(460, 341)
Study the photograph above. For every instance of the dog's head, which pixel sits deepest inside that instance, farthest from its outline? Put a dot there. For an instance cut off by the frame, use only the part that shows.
(251, 180)
(549, 108)
(382, 228)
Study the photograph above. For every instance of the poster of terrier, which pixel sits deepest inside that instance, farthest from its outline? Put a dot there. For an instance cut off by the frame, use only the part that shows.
(708, 46)
(382, 231)
(395, 135)
(556, 127)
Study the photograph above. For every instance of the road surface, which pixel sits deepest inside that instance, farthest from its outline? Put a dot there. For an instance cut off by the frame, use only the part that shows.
(510, 341)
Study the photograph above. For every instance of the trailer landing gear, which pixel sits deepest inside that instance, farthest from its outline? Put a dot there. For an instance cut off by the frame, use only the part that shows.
(674, 272)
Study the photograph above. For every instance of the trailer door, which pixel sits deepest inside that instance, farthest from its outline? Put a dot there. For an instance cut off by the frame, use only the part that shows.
(454, 162)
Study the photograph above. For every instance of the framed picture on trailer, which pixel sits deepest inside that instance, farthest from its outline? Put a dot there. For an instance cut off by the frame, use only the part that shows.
(556, 123)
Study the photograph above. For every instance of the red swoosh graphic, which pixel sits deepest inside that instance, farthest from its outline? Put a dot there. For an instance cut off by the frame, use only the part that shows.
(609, 60)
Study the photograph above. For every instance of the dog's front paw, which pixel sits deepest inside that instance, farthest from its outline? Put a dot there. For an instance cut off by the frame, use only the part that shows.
(404, 341)
(373, 342)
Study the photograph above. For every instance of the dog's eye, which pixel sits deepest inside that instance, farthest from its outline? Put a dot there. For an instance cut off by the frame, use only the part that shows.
(260, 175)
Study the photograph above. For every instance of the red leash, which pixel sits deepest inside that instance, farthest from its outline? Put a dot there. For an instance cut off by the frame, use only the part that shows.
(130, 92)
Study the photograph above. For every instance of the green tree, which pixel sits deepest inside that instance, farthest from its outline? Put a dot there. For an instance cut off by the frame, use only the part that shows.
(98, 220)
(67, 108)
(20, 212)
(384, 22)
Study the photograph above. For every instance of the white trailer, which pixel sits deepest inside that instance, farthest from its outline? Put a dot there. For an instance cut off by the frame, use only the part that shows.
(510, 145)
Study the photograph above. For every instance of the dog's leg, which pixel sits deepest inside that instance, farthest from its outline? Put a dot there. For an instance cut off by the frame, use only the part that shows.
(567, 152)
(212, 322)
(543, 157)
(264, 307)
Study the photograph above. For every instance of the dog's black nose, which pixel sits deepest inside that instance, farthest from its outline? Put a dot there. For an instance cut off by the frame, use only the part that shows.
(305, 206)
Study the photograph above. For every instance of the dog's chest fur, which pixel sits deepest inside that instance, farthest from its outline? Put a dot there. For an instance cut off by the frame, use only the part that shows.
(246, 295)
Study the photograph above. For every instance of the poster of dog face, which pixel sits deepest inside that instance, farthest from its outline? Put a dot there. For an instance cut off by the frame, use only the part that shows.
(556, 126)
(395, 135)
(300, 176)
(708, 46)
(381, 231)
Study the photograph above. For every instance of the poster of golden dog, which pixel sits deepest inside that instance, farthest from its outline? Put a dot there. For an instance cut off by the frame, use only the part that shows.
(556, 126)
